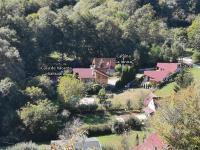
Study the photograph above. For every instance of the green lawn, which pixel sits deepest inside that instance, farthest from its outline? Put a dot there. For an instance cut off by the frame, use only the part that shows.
(115, 141)
(196, 74)
(94, 119)
(168, 89)
(135, 96)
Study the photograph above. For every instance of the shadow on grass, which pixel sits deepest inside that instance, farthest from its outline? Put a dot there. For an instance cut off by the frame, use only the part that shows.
(95, 119)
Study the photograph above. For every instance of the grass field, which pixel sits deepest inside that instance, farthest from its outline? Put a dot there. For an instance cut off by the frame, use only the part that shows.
(135, 96)
(196, 74)
(166, 90)
(94, 119)
(115, 141)
(169, 88)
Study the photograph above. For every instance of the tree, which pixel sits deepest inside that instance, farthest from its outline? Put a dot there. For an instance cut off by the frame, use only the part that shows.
(10, 94)
(102, 95)
(177, 120)
(193, 34)
(35, 93)
(10, 62)
(184, 79)
(11, 99)
(45, 83)
(196, 57)
(69, 87)
(41, 119)
(72, 132)
(128, 74)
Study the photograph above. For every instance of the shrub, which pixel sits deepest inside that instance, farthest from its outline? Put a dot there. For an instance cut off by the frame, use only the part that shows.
(24, 146)
(69, 87)
(118, 68)
(92, 89)
(41, 119)
(184, 79)
(100, 129)
(120, 127)
(102, 95)
(88, 108)
(196, 57)
(43, 82)
(119, 84)
(134, 123)
(34, 93)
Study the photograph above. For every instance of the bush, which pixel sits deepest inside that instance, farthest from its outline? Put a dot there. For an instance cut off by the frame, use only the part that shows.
(102, 95)
(119, 84)
(184, 79)
(88, 108)
(100, 129)
(118, 68)
(43, 82)
(134, 123)
(92, 89)
(34, 93)
(24, 146)
(41, 119)
(69, 87)
(196, 57)
(120, 127)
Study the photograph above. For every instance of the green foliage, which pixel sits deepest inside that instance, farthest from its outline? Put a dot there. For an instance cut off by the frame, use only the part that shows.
(178, 120)
(10, 94)
(193, 33)
(196, 57)
(34, 93)
(99, 129)
(24, 146)
(92, 88)
(44, 83)
(11, 63)
(102, 95)
(127, 76)
(118, 68)
(41, 118)
(69, 87)
(184, 79)
(120, 127)
(30, 30)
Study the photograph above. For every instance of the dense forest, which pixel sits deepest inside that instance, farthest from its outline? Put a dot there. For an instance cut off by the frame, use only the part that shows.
(32, 30)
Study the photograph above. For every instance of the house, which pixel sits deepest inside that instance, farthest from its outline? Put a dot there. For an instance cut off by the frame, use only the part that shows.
(163, 72)
(170, 67)
(150, 104)
(106, 65)
(152, 142)
(91, 75)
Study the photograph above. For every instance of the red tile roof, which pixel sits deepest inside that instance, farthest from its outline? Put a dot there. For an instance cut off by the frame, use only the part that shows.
(170, 67)
(157, 76)
(152, 142)
(84, 73)
(88, 73)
